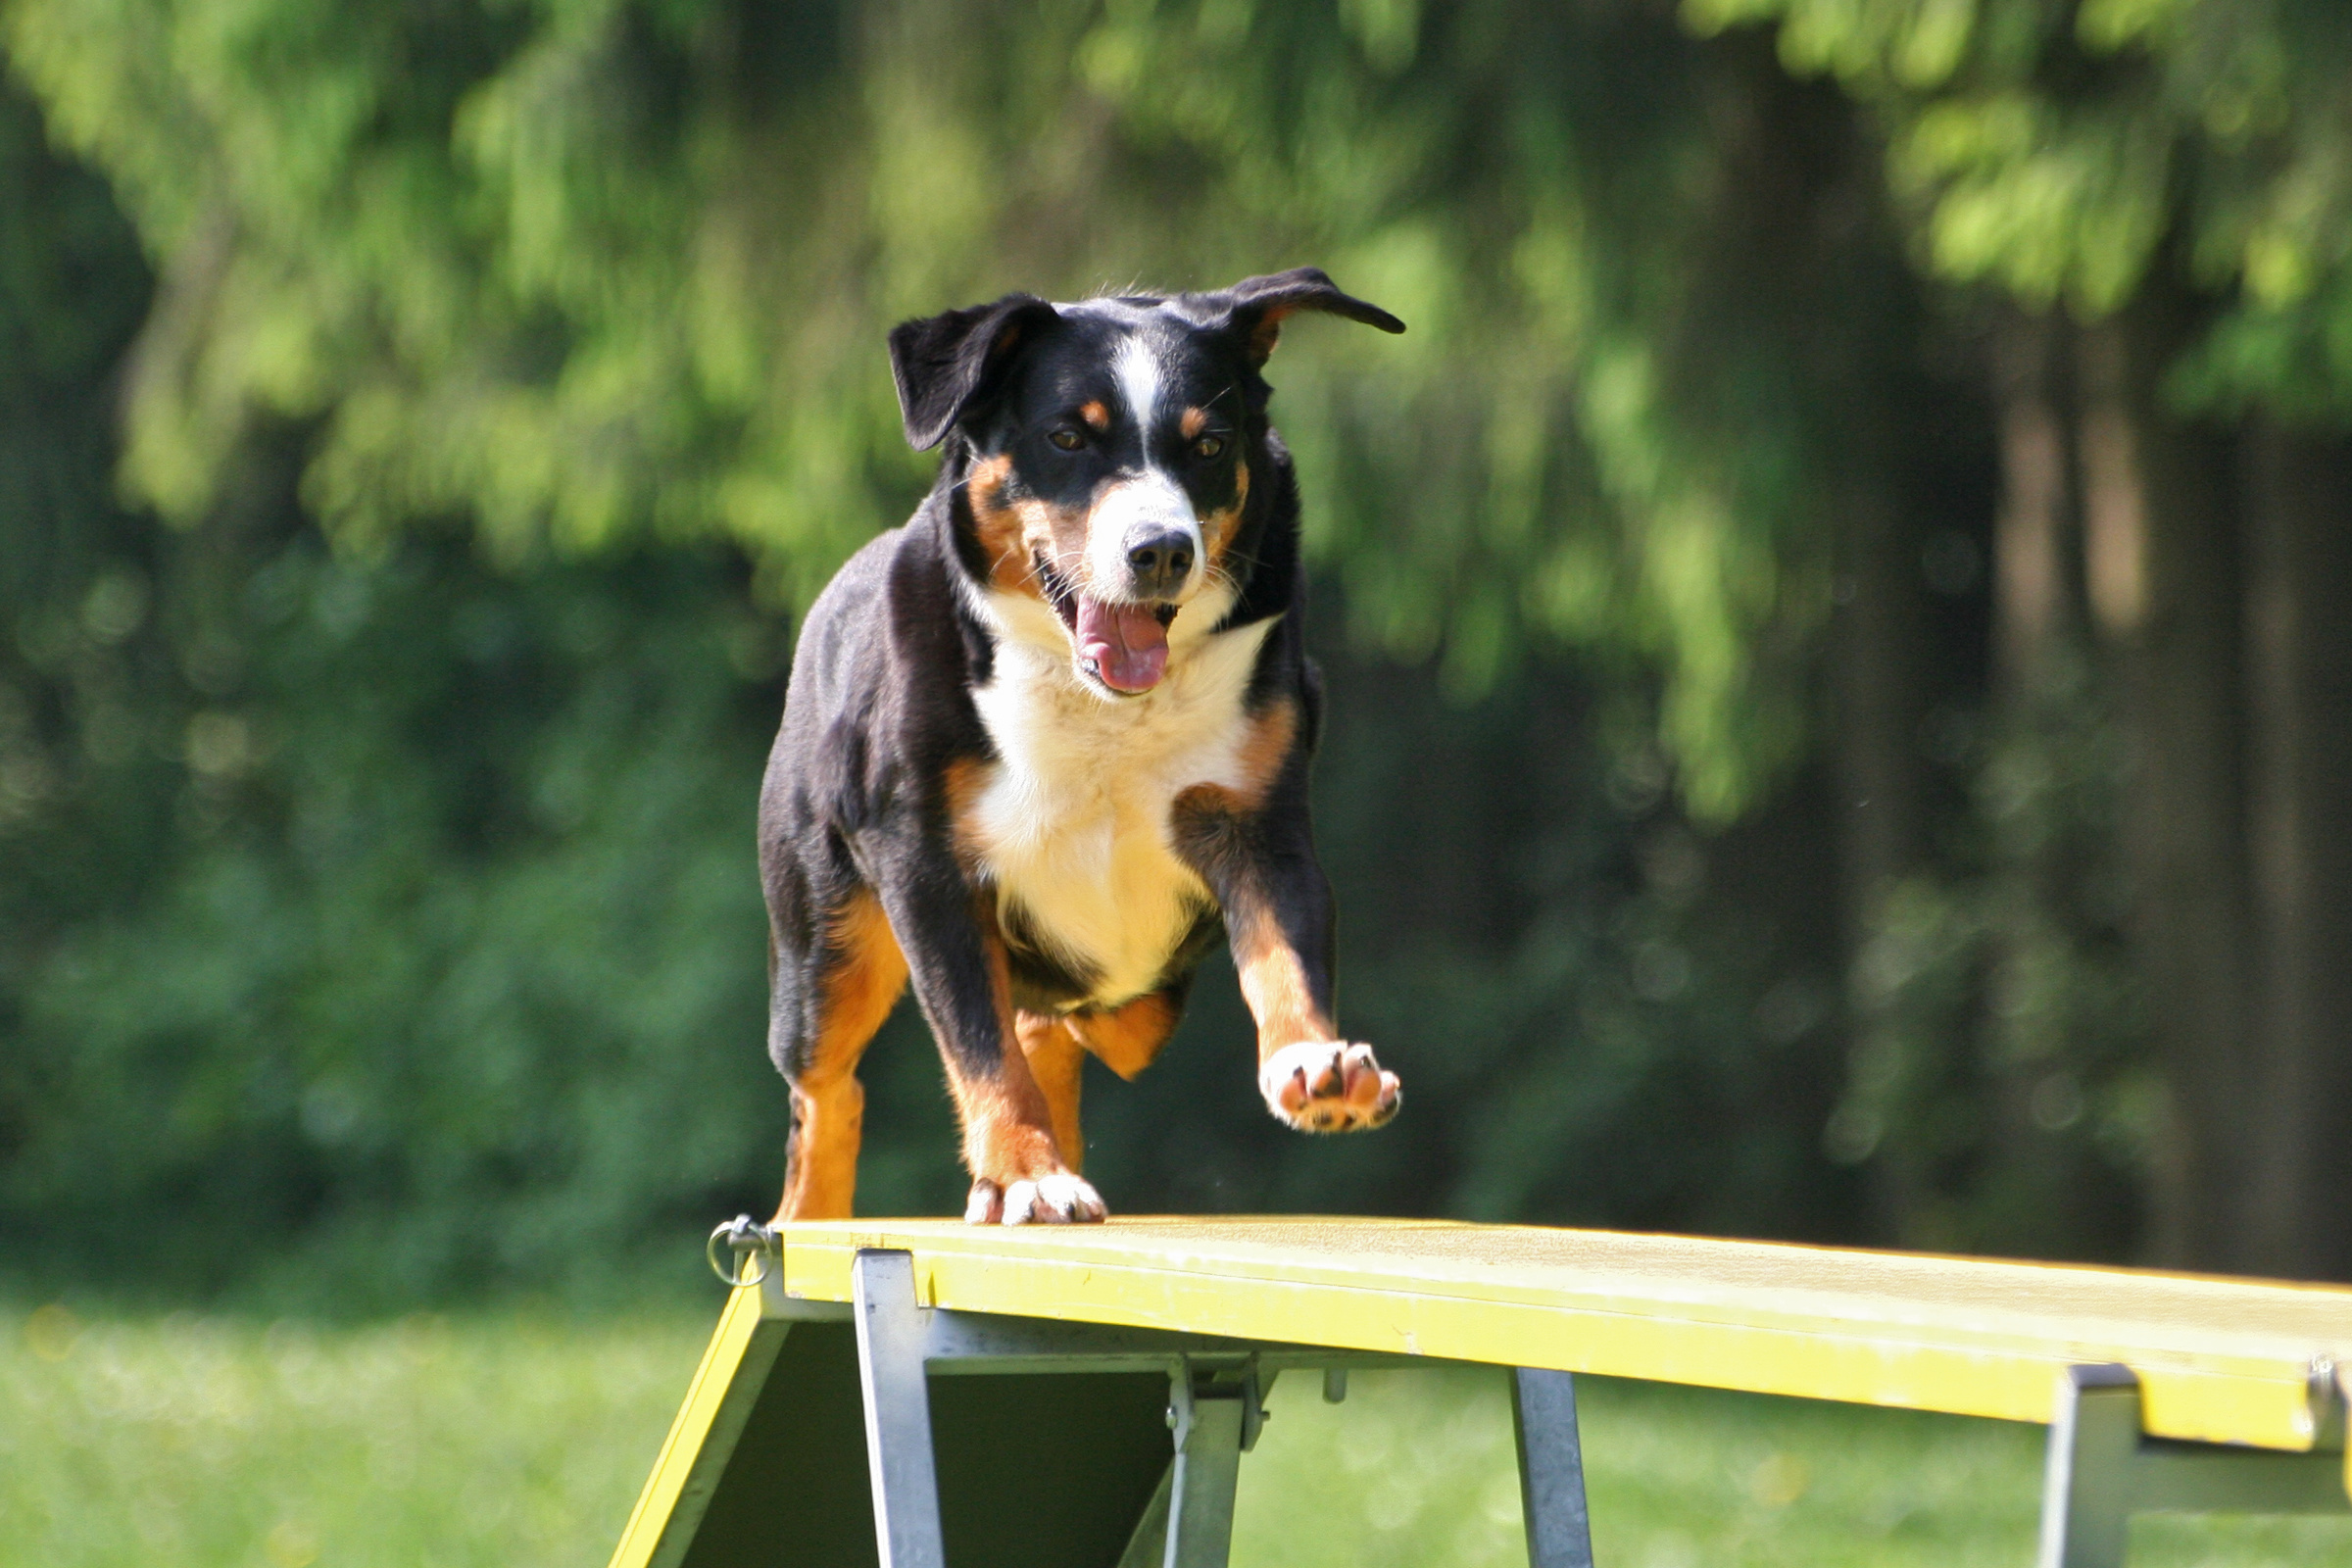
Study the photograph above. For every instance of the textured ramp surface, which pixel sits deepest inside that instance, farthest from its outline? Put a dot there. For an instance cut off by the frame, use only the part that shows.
(2222, 1360)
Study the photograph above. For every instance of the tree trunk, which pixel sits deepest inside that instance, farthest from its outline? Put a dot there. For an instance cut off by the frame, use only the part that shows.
(1879, 638)
(2040, 699)
(2164, 580)
(2299, 656)
(2035, 535)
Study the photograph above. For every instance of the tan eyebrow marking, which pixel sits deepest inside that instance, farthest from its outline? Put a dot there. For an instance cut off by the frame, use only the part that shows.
(1194, 420)
(1095, 414)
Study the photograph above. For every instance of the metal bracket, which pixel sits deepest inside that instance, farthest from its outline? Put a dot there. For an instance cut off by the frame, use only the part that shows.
(753, 1246)
(2102, 1470)
(1216, 1414)
(1190, 1382)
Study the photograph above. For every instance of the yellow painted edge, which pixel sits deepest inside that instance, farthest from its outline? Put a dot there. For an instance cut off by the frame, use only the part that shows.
(709, 1389)
(2255, 1402)
(1000, 1274)
(1770, 1305)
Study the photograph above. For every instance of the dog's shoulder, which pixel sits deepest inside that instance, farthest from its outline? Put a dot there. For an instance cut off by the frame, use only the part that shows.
(880, 690)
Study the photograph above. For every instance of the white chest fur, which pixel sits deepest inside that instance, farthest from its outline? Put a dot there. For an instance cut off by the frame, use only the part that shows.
(1072, 824)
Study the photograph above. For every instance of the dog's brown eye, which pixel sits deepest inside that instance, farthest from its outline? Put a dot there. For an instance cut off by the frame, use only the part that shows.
(1208, 446)
(1068, 440)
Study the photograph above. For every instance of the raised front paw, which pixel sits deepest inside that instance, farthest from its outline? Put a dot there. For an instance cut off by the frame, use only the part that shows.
(1057, 1199)
(1329, 1087)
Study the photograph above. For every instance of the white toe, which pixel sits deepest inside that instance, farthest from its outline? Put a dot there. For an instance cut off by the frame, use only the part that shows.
(1056, 1200)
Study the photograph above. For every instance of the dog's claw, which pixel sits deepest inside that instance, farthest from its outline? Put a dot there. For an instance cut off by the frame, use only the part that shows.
(1329, 1087)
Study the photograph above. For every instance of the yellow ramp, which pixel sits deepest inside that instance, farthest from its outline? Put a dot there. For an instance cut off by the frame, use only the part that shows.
(2220, 1360)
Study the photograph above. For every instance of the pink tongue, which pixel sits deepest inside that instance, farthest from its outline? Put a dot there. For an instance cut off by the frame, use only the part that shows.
(1127, 644)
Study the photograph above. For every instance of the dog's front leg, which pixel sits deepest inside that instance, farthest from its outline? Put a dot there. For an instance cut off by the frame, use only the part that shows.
(956, 954)
(1278, 916)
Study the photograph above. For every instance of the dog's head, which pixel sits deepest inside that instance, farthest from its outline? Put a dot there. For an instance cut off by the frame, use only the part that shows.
(1111, 444)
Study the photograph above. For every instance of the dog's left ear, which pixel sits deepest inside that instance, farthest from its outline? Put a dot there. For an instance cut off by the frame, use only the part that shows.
(946, 364)
(1260, 305)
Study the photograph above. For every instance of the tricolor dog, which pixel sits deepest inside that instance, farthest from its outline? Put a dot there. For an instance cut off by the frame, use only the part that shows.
(1047, 738)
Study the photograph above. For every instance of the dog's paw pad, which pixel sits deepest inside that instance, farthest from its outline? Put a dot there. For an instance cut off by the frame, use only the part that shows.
(1329, 1087)
(986, 1205)
(1057, 1199)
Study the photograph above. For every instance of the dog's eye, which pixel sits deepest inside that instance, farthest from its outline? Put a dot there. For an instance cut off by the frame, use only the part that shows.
(1208, 446)
(1068, 440)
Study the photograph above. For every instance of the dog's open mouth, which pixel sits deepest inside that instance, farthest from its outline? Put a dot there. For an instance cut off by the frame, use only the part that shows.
(1124, 646)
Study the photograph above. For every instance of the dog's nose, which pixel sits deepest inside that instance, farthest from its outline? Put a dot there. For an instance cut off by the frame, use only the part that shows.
(1161, 563)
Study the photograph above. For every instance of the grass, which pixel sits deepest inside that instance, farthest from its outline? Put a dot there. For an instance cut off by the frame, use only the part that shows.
(521, 1442)
(1686, 1478)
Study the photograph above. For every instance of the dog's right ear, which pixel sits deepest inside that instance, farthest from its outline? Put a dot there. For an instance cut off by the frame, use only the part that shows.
(946, 364)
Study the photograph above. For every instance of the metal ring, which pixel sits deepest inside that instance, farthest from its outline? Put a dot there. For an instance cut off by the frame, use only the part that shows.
(753, 1246)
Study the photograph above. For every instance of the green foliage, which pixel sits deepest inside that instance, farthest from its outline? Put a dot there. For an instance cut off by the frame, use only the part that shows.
(2063, 149)
(374, 829)
(353, 914)
(378, 917)
(575, 273)
(2000, 1072)
(452, 963)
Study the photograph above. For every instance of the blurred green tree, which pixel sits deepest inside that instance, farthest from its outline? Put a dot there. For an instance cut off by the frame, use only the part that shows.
(581, 272)
(523, 303)
(1865, 509)
(2163, 188)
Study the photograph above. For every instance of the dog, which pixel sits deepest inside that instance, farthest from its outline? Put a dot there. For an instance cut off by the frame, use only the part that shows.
(1044, 740)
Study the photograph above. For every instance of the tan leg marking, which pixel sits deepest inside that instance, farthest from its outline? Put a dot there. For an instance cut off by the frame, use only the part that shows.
(1308, 1075)
(1057, 1061)
(1018, 1174)
(1274, 984)
(828, 1104)
(1007, 1130)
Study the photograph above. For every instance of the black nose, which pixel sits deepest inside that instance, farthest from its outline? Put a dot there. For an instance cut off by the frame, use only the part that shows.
(1160, 564)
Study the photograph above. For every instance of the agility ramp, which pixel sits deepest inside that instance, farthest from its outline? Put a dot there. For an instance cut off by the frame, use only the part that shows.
(921, 1393)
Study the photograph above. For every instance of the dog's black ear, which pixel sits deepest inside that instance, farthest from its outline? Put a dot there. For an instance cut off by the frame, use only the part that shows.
(1260, 305)
(945, 363)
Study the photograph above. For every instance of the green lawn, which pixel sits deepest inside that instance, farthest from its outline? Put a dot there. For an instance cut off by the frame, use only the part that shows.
(517, 1441)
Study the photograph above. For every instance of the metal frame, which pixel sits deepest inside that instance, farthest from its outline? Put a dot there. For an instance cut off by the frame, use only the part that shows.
(2102, 1466)
(1215, 1412)
(2102, 1470)
(891, 1378)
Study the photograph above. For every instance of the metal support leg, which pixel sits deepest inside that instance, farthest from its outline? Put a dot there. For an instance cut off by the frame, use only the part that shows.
(1189, 1521)
(1215, 1422)
(2086, 1485)
(2102, 1471)
(1200, 1489)
(1552, 1469)
(897, 1412)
